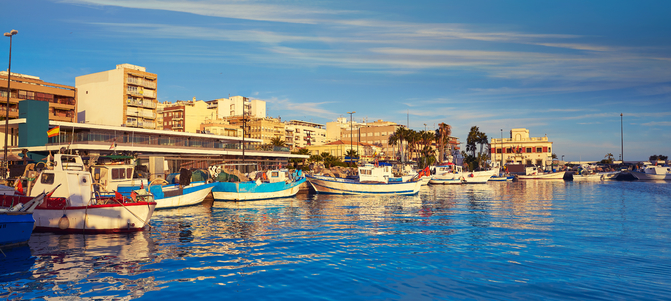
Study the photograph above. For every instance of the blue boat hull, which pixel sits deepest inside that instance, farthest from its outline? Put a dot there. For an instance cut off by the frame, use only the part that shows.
(248, 191)
(15, 227)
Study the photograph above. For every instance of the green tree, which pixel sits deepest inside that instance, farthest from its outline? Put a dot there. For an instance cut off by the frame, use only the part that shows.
(400, 135)
(609, 158)
(296, 161)
(442, 138)
(475, 139)
(277, 141)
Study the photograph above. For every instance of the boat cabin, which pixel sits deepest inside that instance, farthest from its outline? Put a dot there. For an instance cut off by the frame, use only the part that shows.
(70, 172)
(372, 173)
(450, 168)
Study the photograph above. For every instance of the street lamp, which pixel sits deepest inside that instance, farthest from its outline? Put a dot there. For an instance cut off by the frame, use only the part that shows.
(5, 165)
(351, 132)
(621, 138)
(425, 127)
(501, 148)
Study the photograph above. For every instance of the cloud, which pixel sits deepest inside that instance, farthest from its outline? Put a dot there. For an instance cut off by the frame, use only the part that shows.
(298, 109)
(657, 123)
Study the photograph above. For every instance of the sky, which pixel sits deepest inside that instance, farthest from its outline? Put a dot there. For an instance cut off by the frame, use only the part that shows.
(565, 69)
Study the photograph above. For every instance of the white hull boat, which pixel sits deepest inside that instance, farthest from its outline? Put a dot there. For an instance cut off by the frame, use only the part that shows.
(543, 176)
(479, 177)
(71, 207)
(447, 174)
(333, 185)
(588, 177)
(652, 172)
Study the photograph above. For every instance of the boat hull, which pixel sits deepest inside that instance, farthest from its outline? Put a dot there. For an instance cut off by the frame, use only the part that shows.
(15, 227)
(249, 191)
(547, 176)
(330, 185)
(501, 179)
(594, 177)
(649, 176)
(108, 218)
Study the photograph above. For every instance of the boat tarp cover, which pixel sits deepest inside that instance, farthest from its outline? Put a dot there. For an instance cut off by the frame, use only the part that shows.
(227, 177)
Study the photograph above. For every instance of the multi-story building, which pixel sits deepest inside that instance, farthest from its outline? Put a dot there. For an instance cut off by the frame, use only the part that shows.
(186, 116)
(265, 129)
(159, 113)
(122, 96)
(522, 149)
(340, 148)
(235, 105)
(62, 99)
(376, 133)
(220, 127)
(334, 129)
(302, 134)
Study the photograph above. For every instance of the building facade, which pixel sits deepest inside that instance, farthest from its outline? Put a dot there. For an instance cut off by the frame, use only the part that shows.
(376, 133)
(303, 134)
(62, 99)
(186, 116)
(521, 149)
(125, 96)
(235, 105)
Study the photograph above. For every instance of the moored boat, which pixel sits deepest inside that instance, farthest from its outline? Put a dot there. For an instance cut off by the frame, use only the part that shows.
(533, 173)
(72, 207)
(279, 183)
(16, 217)
(447, 174)
(653, 172)
(372, 180)
(479, 177)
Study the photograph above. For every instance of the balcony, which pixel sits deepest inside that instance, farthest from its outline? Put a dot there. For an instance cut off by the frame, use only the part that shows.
(141, 82)
(138, 102)
(13, 112)
(61, 117)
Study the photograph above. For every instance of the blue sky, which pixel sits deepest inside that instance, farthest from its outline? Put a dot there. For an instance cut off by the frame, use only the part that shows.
(565, 69)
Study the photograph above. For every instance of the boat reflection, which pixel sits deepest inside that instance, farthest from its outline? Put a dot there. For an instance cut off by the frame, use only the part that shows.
(64, 262)
(15, 264)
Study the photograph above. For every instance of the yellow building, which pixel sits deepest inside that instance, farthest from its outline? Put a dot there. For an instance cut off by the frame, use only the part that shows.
(125, 96)
(521, 149)
(339, 148)
(186, 116)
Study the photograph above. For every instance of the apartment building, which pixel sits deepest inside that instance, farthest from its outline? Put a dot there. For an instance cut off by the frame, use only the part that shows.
(265, 129)
(62, 99)
(522, 149)
(235, 105)
(302, 134)
(376, 133)
(125, 96)
(186, 116)
(220, 127)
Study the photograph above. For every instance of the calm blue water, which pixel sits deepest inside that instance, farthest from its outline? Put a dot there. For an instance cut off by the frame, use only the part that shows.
(523, 240)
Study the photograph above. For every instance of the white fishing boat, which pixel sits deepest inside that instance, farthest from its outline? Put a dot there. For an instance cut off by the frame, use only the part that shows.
(502, 178)
(279, 183)
(372, 180)
(587, 177)
(479, 177)
(447, 174)
(653, 172)
(609, 175)
(533, 173)
(72, 207)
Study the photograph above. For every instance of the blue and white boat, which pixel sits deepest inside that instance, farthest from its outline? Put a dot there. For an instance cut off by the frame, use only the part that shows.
(447, 174)
(118, 177)
(279, 183)
(372, 180)
(16, 216)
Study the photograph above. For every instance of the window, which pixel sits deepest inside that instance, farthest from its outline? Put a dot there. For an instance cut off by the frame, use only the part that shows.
(509, 150)
(129, 173)
(117, 173)
(539, 149)
(47, 178)
(528, 149)
(498, 150)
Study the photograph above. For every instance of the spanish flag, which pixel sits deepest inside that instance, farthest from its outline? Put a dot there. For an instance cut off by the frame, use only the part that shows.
(54, 131)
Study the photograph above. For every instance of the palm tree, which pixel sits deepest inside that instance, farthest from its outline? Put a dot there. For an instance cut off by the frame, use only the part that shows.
(401, 135)
(609, 158)
(442, 137)
(412, 137)
(277, 141)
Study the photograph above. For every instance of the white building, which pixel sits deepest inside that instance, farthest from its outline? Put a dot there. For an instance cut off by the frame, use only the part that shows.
(233, 106)
(301, 134)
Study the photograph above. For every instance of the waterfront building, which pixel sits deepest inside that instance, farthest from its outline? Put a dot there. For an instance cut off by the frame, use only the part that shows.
(339, 148)
(521, 149)
(61, 99)
(235, 105)
(122, 96)
(265, 129)
(186, 116)
(304, 133)
(334, 129)
(376, 133)
(220, 127)
(159, 113)
(159, 151)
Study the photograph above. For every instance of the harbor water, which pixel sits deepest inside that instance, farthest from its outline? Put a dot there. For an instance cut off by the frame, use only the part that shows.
(534, 240)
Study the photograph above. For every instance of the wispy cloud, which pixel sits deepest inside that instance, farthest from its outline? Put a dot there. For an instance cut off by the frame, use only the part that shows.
(657, 123)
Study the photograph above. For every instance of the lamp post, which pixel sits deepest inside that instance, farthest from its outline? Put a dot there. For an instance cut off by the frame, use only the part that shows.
(621, 138)
(5, 165)
(501, 148)
(351, 132)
